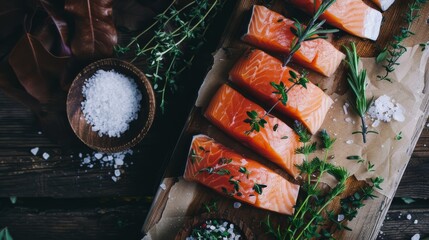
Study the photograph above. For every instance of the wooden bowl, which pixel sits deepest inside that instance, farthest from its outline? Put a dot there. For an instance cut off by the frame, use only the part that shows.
(137, 128)
(247, 233)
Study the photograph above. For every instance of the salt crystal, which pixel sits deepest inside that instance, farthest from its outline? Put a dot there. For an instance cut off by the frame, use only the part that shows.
(416, 221)
(375, 123)
(345, 106)
(416, 237)
(119, 162)
(409, 216)
(385, 109)
(117, 173)
(98, 155)
(80, 155)
(45, 156)
(334, 119)
(349, 141)
(40, 133)
(163, 186)
(349, 120)
(340, 217)
(34, 151)
(237, 205)
(111, 102)
(427, 125)
(114, 178)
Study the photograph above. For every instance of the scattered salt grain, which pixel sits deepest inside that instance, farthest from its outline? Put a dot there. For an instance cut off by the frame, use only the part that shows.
(340, 217)
(237, 205)
(376, 123)
(349, 141)
(345, 108)
(163, 186)
(416, 221)
(40, 133)
(111, 102)
(409, 216)
(385, 109)
(45, 156)
(416, 237)
(34, 151)
(348, 120)
(111, 160)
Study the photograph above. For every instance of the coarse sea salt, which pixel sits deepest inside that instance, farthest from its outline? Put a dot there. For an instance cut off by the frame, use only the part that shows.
(416, 237)
(110, 160)
(34, 151)
(111, 102)
(385, 109)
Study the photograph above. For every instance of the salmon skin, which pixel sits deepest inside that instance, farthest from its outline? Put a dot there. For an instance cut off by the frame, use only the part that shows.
(383, 4)
(276, 141)
(254, 73)
(270, 31)
(352, 16)
(231, 174)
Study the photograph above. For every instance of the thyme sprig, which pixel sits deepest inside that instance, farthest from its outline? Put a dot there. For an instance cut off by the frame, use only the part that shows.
(163, 55)
(390, 54)
(302, 33)
(308, 216)
(357, 82)
(257, 122)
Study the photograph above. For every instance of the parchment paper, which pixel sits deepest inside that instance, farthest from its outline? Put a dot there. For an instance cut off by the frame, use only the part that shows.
(387, 155)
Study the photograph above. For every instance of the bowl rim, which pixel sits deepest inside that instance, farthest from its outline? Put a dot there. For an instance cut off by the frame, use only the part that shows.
(148, 90)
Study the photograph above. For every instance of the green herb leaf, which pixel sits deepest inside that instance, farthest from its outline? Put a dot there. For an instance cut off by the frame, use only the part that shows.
(381, 56)
(398, 136)
(223, 171)
(407, 200)
(13, 199)
(258, 188)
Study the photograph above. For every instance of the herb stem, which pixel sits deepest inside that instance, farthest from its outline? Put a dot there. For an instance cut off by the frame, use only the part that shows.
(149, 28)
(364, 129)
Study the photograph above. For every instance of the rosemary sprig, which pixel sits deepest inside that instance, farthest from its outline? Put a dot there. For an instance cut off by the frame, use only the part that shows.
(162, 55)
(395, 49)
(311, 31)
(308, 216)
(357, 82)
(302, 33)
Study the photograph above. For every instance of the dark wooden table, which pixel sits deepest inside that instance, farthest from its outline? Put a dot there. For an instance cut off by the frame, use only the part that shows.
(59, 199)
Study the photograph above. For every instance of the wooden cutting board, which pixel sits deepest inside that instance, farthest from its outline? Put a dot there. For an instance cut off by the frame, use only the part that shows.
(369, 220)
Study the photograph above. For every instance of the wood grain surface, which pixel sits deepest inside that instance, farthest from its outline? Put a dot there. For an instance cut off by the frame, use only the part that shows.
(59, 199)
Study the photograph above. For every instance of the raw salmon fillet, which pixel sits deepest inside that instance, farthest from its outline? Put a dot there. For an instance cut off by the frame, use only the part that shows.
(276, 141)
(352, 16)
(229, 173)
(270, 31)
(383, 4)
(256, 70)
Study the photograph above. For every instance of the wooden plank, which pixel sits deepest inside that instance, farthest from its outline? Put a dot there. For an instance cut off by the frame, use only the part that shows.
(25, 175)
(397, 226)
(415, 182)
(121, 222)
